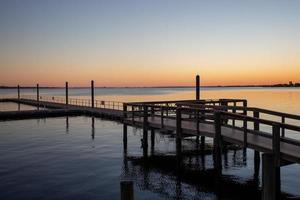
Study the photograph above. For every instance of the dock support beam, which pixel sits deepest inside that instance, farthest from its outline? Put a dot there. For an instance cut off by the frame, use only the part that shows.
(178, 137)
(92, 93)
(256, 153)
(152, 141)
(124, 127)
(270, 178)
(67, 93)
(217, 145)
(145, 132)
(124, 136)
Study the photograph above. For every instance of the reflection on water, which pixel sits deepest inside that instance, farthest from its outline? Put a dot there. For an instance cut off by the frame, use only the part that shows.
(84, 158)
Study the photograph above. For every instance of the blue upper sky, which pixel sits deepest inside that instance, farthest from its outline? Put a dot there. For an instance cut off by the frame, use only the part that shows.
(142, 36)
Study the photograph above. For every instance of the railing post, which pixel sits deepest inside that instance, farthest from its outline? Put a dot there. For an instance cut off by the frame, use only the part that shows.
(67, 94)
(234, 111)
(256, 122)
(197, 127)
(282, 128)
(167, 109)
(276, 143)
(245, 124)
(245, 104)
(132, 115)
(162, 116)
(245, 128)
(145, 131)
(218, 144)
(124, 111)
(197, 87)
(152, 111)
(178, 136)
(92, 93)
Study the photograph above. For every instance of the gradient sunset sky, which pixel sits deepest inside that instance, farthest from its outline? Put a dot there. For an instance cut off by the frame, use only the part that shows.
(149, 42)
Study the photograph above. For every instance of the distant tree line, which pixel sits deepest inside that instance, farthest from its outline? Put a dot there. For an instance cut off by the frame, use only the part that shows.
(290, 84)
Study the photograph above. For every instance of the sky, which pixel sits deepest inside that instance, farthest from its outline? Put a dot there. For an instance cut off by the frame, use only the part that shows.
(149, 42)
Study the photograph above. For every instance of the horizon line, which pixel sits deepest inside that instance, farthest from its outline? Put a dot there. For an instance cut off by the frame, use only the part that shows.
(185, 86)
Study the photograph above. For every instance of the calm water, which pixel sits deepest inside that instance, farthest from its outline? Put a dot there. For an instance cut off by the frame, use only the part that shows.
(66, 158)
(281, 99)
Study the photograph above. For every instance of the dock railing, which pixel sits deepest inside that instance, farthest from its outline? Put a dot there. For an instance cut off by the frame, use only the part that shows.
(232, 113)
(77, 102)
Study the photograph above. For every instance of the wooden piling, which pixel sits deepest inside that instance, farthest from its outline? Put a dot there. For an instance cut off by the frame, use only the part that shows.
(37, 93)
(92, 93)
(127, 190)
(67, 93)
(152, 141)
(18, 92)
(198, 98)
(217, 144)
(38, 96)
(276, 143)
(256, 153)
(270, 178)
(145, 131)
(124, 136)
(178, 136)
(124, 126)
(93, 128)
(197, 87)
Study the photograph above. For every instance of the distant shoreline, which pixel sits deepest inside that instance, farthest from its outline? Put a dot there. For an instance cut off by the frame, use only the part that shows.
(296, 85)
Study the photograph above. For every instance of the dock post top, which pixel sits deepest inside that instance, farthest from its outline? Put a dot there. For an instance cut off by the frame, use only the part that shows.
(197, 87)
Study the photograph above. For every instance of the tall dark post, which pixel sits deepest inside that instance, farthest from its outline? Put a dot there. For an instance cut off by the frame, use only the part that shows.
(38, 96)
(197, 87)
(37, 92)
(93, 128)
(125, 136)
(67, 93)
(92, 92)
(198, 98)
(18, 92)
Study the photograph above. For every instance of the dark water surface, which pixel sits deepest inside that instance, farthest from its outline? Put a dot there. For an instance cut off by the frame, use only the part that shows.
(66, 158)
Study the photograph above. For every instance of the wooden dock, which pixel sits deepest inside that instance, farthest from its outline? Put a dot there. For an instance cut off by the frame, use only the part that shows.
(225, 121)
(104, 109)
